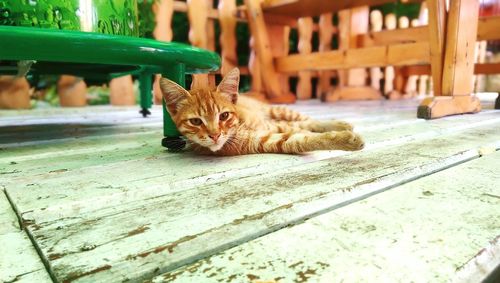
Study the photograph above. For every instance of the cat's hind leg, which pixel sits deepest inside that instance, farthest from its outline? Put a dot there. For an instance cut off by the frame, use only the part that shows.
(283, 113)
(322, 126)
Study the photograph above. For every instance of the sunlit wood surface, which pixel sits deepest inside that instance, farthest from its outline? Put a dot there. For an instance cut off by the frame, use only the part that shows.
(92, 194)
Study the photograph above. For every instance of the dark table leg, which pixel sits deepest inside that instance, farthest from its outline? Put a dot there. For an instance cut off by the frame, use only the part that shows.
(145, 84)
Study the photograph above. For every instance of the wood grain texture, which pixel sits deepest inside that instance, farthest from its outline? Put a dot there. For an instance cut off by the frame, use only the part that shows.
(461, 36)
(437, 38)
(19, 261)
(423, 230)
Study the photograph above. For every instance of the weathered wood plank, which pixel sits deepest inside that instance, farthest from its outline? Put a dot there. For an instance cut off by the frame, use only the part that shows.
(95, 243)
(422, 231)
(19, 261)
(8, 219)
(107, 138)
(26, 162)
(106, 184)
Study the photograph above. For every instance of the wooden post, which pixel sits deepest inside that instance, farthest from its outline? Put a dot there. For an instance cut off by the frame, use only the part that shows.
(274, 90)
(72, 91)
(304, 86)
(227, 19)
(458, 68)
(121, 91)
(389, 73)
(280, 47)
(480, 58)
(14, 93)
(198, 20)
(352, 83)
(254, 69)
(210, 28)
(376, 23)
(436, 37)
(325, 44)
(400, 79)
(163, 11)
(411, 84)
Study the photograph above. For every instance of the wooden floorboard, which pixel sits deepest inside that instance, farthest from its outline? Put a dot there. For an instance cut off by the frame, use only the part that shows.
(109, 204)
(423, 231)
(19, 262)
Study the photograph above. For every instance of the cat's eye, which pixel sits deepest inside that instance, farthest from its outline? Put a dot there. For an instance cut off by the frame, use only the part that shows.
(196, 121)
(223, 116)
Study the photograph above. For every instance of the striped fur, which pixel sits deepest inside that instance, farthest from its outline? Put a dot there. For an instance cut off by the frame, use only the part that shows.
(219, 122)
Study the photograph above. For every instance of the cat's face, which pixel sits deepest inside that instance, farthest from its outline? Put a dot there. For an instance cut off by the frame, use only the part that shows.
(205, 117)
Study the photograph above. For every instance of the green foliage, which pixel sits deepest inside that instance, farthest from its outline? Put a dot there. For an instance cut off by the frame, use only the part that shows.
(97, 95)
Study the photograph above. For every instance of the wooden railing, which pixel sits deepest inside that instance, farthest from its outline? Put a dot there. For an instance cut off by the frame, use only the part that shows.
(391, 45)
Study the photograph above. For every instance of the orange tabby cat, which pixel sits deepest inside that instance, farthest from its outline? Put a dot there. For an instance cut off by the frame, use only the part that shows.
(220, 122)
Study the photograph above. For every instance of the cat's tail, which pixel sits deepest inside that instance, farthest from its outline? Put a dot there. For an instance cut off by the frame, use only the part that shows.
(283, 113)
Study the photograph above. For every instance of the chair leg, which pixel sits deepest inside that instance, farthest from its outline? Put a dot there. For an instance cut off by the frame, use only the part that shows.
(497, 102)
(271, 79)
(455, 97)
(145, 84)
(172, 138)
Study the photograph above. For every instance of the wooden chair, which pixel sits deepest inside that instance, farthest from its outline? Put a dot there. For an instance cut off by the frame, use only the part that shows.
(353, 21)
(446, 44)
(453, 96)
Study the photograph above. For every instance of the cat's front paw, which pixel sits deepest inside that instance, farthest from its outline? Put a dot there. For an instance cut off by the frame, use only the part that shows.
(350, 141)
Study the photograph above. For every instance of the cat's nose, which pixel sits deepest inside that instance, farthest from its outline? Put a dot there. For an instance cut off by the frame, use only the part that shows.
(214, 137)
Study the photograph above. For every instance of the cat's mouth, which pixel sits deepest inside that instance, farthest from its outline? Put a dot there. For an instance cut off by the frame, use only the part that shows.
(217, 145)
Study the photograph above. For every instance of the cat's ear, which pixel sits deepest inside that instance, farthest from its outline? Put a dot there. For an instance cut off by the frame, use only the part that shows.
(229, 85)
(173, 94)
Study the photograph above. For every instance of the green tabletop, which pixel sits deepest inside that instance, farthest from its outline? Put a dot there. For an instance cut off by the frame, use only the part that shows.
(62, 51)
